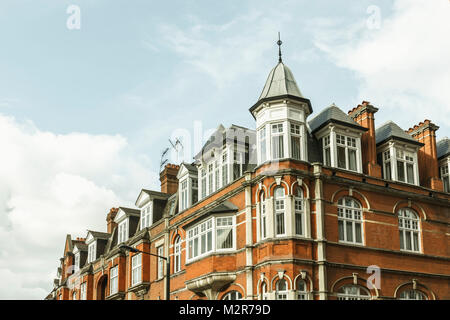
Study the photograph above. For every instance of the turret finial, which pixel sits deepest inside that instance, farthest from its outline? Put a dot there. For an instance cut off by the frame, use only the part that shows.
(279, 43)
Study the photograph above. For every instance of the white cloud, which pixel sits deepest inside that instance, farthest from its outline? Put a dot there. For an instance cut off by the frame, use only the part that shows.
(52, 185)
(403, 67)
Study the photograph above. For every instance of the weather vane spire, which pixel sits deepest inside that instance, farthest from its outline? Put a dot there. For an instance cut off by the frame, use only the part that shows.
(279, 43)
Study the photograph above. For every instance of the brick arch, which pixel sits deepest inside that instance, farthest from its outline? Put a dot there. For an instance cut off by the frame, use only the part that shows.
(261, 188)
(308, 281)
(410, 205)
(175, 234)
(304, 187)
(282, 184)
(276, 278)
(418, 286)
(232, 287)
(349, 280)
(101, 287)
(345, 192)
(259, 285)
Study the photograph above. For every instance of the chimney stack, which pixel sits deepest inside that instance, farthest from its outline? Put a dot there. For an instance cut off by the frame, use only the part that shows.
(168, 178)
(363, 114)
(425, 132)
(110, 219)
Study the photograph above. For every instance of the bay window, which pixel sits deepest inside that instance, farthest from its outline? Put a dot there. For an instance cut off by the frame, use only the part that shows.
(295, 141)
(214, 234)
(262, 145)
(136, 269)
(349, 221)
(277, 141)
(224, 233)
(280, 228)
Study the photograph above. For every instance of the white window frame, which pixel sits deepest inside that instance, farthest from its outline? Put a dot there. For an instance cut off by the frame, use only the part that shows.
(349, 143)
(409, 226)
(279, 205)
(326, 143)
(232, 295)
(264, 291)
(444, 172)
(353, 215)
(74, 295)
(136, 269)
(412, 294)
(276, 133)
(406, 158)
(263, 216)
(210, 174)
(83, 291)
(122, 231)
(77, 261)
(114, 280)
(146, 215)
(390, 157)
(281, 294)
(349, 294)
(177, 255)
(262, 144)
(299, 209)
(302, 293)
(295, 131)
(203, 180)
(199, 233)
(160, 252)
(92, 251)
(225, 174)
(184, 194)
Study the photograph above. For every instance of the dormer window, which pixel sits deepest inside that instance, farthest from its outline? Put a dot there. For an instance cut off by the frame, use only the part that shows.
(346, 152)
(184, 195)
(405, 166)
(146, 214)
(188, 187)
(123, 231)
(342, 151)
(399, 163)
(92, 248)
(77, 261)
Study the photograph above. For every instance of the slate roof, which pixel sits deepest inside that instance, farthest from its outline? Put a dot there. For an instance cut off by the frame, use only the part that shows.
(100, 235)
(332, 114)
(443, 148)
(390, 130)
(81, 246)
(280, 82)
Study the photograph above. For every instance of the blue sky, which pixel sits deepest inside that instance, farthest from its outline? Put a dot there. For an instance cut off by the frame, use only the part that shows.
(84, 114)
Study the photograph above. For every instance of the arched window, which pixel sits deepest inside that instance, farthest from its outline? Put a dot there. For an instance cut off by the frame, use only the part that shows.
(298, 205)
(264, 293)
(232, 295)
(302, 293)
(263, 216)
(349, 220)
(74, 295)
(413, 295)
(282, 290)
(279, 211)
(177, 255)
(408, 224)
(353, 292)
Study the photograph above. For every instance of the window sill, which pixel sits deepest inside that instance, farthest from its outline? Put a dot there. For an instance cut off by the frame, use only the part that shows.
(214, 253)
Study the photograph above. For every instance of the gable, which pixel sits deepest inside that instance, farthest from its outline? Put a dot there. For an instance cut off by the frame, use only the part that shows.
(120, 216)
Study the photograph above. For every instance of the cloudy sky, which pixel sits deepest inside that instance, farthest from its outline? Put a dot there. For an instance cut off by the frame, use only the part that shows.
(85, 113)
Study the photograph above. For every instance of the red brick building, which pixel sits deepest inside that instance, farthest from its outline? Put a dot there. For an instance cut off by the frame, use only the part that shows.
(303, 207)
